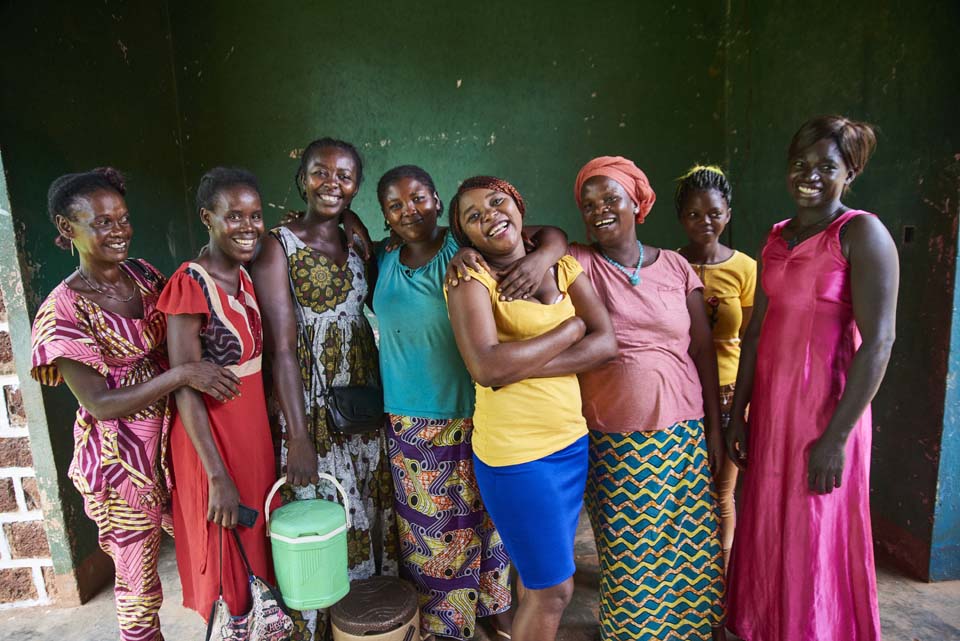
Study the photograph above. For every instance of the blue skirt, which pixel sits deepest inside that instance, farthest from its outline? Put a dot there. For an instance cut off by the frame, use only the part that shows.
(535, 507)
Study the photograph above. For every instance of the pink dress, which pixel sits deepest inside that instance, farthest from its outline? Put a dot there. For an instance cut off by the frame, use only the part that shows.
(802, 564)
(119, 465)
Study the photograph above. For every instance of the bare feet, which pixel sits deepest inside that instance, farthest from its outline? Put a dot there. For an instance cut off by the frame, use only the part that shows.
(502, 624)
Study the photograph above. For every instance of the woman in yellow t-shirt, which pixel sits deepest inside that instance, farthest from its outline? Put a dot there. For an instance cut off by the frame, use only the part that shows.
(530, 437)
(729, 278)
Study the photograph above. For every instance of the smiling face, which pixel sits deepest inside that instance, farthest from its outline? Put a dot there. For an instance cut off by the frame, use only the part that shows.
(99, 226)
(817, 175)
(491, 221)
(330, 181)
(410, 208)
(236, 222)
(704, 215)
(608, 211)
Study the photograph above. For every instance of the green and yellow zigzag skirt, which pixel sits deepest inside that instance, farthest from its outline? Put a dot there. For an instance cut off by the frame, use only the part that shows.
(652, 505)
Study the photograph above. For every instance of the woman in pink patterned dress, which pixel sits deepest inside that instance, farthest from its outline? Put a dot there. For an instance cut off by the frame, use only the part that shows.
(813, 357)
(99, 330)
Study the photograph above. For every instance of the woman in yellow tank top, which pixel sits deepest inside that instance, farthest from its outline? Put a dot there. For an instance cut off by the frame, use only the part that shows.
(530, 444)
(729, 278)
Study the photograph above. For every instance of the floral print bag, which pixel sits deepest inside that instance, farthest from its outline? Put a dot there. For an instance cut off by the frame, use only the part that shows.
(267, 620)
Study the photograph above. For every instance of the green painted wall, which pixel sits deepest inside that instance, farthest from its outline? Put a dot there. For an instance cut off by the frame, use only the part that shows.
(896, 65)
(166, 91)
(528, 91)
(543, 87)
(84, 84)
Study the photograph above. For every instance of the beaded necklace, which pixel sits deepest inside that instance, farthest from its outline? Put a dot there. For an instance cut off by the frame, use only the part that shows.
(634, 278)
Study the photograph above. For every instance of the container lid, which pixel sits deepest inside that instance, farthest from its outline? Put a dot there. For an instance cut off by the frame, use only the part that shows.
(306, 518)
(375, 605)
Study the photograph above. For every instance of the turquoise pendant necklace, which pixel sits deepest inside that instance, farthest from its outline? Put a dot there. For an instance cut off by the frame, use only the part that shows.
(634, 278)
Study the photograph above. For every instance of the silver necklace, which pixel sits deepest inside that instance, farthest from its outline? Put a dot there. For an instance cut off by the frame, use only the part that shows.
(103, 292)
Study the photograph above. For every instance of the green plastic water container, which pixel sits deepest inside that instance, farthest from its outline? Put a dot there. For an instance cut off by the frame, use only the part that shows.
(309, 542)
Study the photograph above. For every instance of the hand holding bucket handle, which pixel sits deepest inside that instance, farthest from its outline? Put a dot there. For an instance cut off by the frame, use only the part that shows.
(283, 479)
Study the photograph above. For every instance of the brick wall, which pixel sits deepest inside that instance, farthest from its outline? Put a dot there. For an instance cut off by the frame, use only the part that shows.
(26, 570)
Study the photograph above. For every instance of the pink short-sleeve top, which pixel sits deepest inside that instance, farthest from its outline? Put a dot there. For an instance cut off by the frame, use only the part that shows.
(653, 382)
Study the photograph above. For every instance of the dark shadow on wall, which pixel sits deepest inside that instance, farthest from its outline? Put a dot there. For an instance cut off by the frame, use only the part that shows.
(84, 85)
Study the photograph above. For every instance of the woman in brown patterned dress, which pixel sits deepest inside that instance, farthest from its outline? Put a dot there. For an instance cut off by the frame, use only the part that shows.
(312, 288)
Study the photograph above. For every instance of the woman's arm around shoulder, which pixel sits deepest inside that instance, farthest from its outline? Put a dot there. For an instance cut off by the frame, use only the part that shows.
(490, 362)
(521, 279)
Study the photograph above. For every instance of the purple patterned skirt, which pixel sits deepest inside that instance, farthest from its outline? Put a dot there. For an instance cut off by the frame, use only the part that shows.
(449, 548)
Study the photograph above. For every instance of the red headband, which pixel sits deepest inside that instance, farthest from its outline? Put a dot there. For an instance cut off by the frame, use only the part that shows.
(624, 172)
(480, 182)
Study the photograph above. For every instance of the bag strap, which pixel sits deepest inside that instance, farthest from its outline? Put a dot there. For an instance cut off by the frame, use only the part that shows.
(246, 564)
(213, 607)
(220, 579)
(243, 553)
(213, 610)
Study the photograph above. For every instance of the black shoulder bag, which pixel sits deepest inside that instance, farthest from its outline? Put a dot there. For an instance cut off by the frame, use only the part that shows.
(351, 409)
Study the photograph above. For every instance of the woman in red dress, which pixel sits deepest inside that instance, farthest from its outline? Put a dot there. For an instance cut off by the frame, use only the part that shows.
(222, 451)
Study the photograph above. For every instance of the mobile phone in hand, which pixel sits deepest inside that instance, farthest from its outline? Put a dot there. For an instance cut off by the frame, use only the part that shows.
(247, 516)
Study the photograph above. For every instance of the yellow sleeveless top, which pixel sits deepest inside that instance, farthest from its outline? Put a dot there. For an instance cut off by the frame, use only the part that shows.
(536, 417)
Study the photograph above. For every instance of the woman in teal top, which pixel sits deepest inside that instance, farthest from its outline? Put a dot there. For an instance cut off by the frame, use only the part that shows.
(449, 548)
(415, 334)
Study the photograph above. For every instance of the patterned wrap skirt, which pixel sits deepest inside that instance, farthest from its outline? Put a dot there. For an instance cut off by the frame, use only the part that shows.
(652, 506)
(449, 548)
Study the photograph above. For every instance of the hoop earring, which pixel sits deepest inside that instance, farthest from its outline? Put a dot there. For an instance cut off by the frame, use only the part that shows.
(386, 226)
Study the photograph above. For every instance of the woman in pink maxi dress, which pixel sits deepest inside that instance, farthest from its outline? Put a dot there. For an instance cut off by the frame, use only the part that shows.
(817, 348)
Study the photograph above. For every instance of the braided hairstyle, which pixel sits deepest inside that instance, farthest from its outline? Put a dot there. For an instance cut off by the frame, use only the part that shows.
(65, 191)
(325, 143)
(220, 178)
(702, 178)
(855, 140)
(480, 182)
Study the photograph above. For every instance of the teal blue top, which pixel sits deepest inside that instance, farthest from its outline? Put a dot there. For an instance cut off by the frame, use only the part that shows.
(423, 374)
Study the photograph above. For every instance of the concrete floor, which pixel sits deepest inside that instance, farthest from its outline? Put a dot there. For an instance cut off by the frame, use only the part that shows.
(909, 610)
